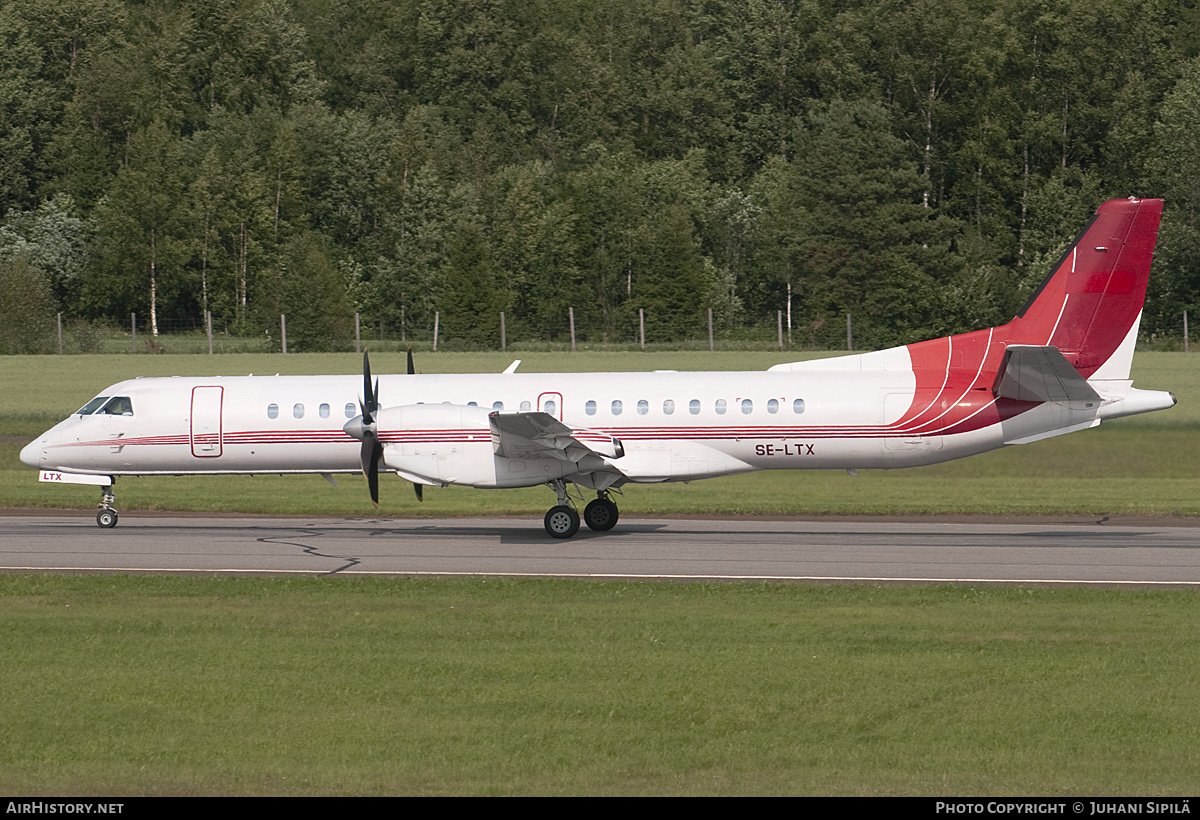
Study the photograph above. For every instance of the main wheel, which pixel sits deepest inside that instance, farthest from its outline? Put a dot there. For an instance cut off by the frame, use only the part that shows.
(600, 515)
(562, 522)
(107, 519)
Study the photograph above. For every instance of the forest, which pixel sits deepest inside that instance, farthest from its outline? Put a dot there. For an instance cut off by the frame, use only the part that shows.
(919, 165)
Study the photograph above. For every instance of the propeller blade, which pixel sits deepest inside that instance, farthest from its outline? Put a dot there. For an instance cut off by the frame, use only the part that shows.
(417, 490)
(370, 402)
(411, 370)
(370, 454)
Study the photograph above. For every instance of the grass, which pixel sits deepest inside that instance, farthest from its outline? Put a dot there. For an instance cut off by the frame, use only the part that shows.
(161, 685)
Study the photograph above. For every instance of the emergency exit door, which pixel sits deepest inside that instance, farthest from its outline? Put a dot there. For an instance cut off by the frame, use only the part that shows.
(206, 421)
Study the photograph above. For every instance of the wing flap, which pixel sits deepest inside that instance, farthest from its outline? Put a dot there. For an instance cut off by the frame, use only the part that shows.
(540, 435)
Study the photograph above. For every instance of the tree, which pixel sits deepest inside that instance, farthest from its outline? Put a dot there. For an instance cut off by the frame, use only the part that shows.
(850, 234)
(139, 224)
(407, 274)
(1174, 168)
(29, 106)
(306, 286)
(53, 240)
(26, 307)
(471, 296)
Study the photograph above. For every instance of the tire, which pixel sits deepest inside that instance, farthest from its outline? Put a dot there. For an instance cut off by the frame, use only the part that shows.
(107, 519)
(562, 522)
(600, 515)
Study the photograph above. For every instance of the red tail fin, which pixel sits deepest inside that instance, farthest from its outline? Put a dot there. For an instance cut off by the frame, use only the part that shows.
(1090, 304)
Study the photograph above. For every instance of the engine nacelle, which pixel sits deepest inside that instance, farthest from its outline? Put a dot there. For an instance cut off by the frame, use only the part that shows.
(440, 444)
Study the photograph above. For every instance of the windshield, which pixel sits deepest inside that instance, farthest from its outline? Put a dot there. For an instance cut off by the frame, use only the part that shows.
(119, 406)
(91, 406)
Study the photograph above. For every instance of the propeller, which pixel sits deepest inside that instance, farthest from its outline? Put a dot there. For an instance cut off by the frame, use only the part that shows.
(365, 429)
(412, 372)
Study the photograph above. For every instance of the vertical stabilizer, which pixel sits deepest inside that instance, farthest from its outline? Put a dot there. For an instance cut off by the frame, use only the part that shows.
(1090, 305)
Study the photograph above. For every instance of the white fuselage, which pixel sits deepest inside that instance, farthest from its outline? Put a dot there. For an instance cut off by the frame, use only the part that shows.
(673, 426)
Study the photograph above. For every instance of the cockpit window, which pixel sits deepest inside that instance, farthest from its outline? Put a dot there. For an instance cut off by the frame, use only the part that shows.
(92, 405)
(118, 406)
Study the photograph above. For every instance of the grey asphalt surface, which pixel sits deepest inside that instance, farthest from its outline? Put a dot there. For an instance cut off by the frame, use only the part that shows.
(829, 550)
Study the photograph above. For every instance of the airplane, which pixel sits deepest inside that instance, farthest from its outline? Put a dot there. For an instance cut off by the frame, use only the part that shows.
(1061, 365)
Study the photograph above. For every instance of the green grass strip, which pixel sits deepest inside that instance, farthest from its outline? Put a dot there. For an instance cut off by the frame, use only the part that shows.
(181, 686)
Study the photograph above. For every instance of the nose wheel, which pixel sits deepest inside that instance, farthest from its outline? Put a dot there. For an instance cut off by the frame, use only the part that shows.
(106, 517)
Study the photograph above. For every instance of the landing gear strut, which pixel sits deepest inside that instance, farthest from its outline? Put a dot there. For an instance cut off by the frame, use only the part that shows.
(107, 515)
(563, 521)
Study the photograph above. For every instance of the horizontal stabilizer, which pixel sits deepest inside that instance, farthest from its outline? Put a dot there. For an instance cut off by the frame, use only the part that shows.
(1041, 373)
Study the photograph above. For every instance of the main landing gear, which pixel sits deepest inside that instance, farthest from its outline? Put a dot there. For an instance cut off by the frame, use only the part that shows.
(107, 515)
(562, 521)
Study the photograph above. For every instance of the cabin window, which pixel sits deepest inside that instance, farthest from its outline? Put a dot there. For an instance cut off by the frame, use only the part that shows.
(472, 404)
(323, 410)
(590, 408)
(92, 405)
(721, 407)
(497, 405)
(118, 406)
(549, 406)
(616, 407)
(798, 406)
(643, 407)
(694, 407)
(298, 410)
(747, 406)
(272, 411)
(772, 405)
(525, 407)
(350, 411)
(668, 406)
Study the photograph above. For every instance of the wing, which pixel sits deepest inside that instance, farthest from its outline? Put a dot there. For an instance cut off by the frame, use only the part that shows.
(540, 435)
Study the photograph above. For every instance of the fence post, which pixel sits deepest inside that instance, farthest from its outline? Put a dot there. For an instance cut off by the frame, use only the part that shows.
(779, 327)
(1185, 333)
(503, 334)
(60, 333)
(849, 340)
(357, 334)
(133, 325)
(642, 326)
(208, 326)
(436, 317)
(571, 316)
(283, 330)
(710, 336)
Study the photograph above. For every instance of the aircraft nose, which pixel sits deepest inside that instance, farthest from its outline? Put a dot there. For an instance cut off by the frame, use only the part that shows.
(31, 454)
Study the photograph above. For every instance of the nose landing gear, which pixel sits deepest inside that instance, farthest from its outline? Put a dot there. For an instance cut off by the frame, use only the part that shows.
(106, 517)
